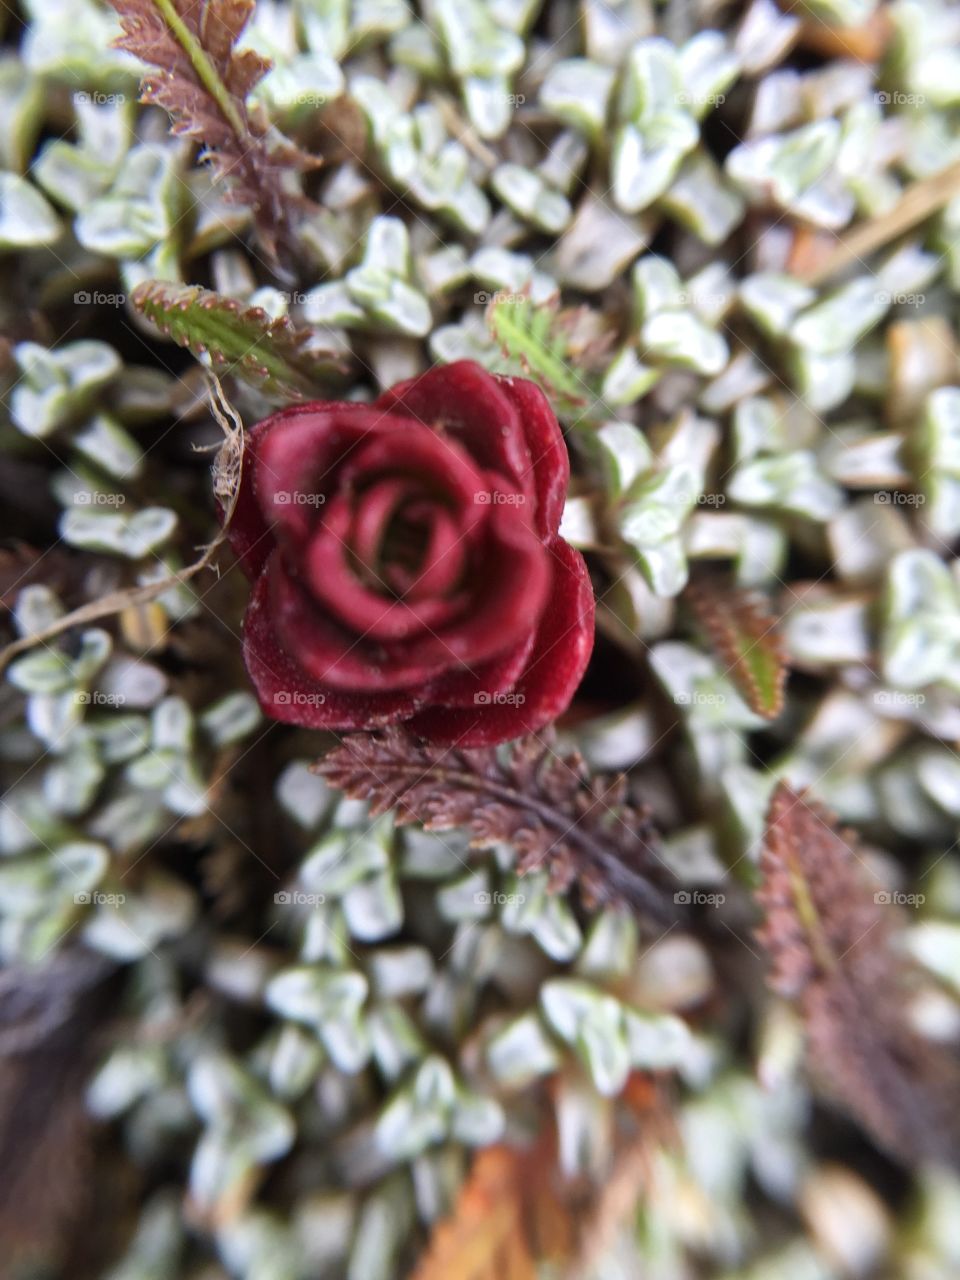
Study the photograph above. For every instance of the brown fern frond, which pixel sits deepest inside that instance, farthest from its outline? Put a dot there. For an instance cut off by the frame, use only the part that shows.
(202, 82)
(547, 807)
(830, 936)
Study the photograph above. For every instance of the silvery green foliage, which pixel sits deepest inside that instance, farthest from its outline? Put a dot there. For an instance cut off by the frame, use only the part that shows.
(117, 759)
(403, 997)
(377, 293)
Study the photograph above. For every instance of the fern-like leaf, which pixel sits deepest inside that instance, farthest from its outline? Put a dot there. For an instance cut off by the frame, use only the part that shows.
(535, 338)
(830, 938)
(285, 362)
(744, 635)
(203, 82)
(552, 812)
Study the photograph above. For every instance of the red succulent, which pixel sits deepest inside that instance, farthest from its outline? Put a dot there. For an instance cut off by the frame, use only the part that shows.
(406, 561)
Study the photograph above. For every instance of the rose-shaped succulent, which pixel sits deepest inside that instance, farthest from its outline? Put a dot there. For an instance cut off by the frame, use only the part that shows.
(406, 561)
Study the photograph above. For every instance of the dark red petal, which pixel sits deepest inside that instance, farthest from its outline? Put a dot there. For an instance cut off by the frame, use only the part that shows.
(466, 402)
(249, 533)
(372, 512)
(287, 693)
(444, 559)
(460, 688)
(505, 601)
(548, 451)
(302, 457)
(440, 466)
(561, 652)
(336, 656)
(360, 607)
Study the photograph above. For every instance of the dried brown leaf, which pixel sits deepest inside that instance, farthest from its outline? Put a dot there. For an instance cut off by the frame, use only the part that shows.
(548, 807)
(830, 937)
(508, 1218)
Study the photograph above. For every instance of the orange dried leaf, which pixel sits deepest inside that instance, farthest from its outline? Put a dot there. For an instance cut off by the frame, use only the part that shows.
(507, 1219)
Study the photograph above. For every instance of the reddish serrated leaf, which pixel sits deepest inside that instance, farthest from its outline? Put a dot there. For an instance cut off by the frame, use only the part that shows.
(743, 633)
(203, 87)
(830, 937)
(285, 362)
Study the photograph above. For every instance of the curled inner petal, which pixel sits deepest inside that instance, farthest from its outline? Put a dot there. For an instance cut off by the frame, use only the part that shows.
(365, 604)
(443, 563)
